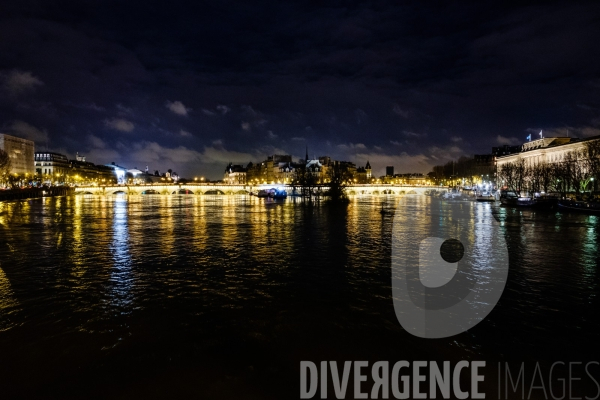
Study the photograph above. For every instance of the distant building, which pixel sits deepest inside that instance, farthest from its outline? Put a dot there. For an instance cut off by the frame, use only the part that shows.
(287, 172)
(280, 169)
(21, 153)
(545, 150)
(260, 173)
(505, 150)
(363, 174)
(325, 160)
(87, 172)
(118, 171)
(49, 164)
(484, 160)
(235, 175)
(277, 168)
(316, 169)
(389, 171)
(412, 179)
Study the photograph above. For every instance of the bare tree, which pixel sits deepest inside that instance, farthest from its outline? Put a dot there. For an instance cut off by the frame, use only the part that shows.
(592, 161)
(546, 178)
(560, 178)
(506, 174)
(5, 166)
(515, 176)
(305, 180)
(576, 173)
(338, 177)
(534, 178)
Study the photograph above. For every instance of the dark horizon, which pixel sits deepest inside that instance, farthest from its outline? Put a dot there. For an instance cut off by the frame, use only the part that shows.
(192, 87)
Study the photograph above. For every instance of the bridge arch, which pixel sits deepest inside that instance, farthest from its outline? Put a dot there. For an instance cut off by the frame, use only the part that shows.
(150, 191)
(214, 192)
(183, 191)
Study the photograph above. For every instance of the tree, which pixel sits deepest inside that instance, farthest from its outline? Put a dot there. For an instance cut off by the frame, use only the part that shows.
(577, 176)
(592, 160)
(305, 180)
(534, 178)
(546, 178)
(5, 166)
(560, 178)
(337, 177)
(514, 176)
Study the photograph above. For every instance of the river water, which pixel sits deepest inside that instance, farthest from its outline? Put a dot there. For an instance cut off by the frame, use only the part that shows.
(223, 296)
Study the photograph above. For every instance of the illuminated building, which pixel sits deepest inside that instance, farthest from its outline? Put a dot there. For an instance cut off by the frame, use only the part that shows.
(51, 164)
(545, 150)
(21, 153)
(363, 174)
(235, 175)
(118, 171)
(87, 172)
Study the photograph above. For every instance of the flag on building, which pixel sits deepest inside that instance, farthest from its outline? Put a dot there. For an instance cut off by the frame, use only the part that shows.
(529, 137)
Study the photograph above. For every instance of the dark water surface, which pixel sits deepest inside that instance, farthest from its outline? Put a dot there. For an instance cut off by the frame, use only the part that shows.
(223, 296)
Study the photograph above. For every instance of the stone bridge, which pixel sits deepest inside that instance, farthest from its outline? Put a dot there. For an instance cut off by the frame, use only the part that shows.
(220, 189)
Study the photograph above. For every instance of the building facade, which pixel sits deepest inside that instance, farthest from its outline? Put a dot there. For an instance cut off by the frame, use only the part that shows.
(363, 174)
(51, 165)
(87, 172)
(21, 152)
(235, 175)
(545, 150)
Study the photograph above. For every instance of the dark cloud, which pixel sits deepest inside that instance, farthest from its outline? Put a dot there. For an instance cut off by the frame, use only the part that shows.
(406, 84)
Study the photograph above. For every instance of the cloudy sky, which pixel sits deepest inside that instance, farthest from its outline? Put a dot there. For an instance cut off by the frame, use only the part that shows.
(192, 86)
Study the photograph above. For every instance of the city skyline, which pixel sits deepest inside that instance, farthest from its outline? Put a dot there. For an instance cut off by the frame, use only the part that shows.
(196, 87)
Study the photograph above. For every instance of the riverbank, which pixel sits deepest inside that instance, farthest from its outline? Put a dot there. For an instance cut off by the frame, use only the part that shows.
(32, 193)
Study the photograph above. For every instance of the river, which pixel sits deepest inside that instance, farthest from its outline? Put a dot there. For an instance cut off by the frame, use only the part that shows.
(223, 296)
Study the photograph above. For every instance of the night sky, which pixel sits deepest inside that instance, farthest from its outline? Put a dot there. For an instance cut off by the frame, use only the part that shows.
(193, 86)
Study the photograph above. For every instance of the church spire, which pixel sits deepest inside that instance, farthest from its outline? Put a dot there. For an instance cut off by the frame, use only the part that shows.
(306, 159)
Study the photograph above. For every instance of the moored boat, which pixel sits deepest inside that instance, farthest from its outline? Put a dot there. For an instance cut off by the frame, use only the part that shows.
(486, 197)
(279, 194)
(509, 198)
(545, 202)
(263, 193)
(590, 207)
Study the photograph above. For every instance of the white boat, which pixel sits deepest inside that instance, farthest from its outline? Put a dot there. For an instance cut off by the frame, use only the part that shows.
(485, 197)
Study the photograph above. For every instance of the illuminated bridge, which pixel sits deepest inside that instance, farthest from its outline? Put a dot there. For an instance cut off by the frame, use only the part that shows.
(220, 189)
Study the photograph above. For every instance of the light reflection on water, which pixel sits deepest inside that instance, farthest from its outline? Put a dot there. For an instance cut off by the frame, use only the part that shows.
(94, 274)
